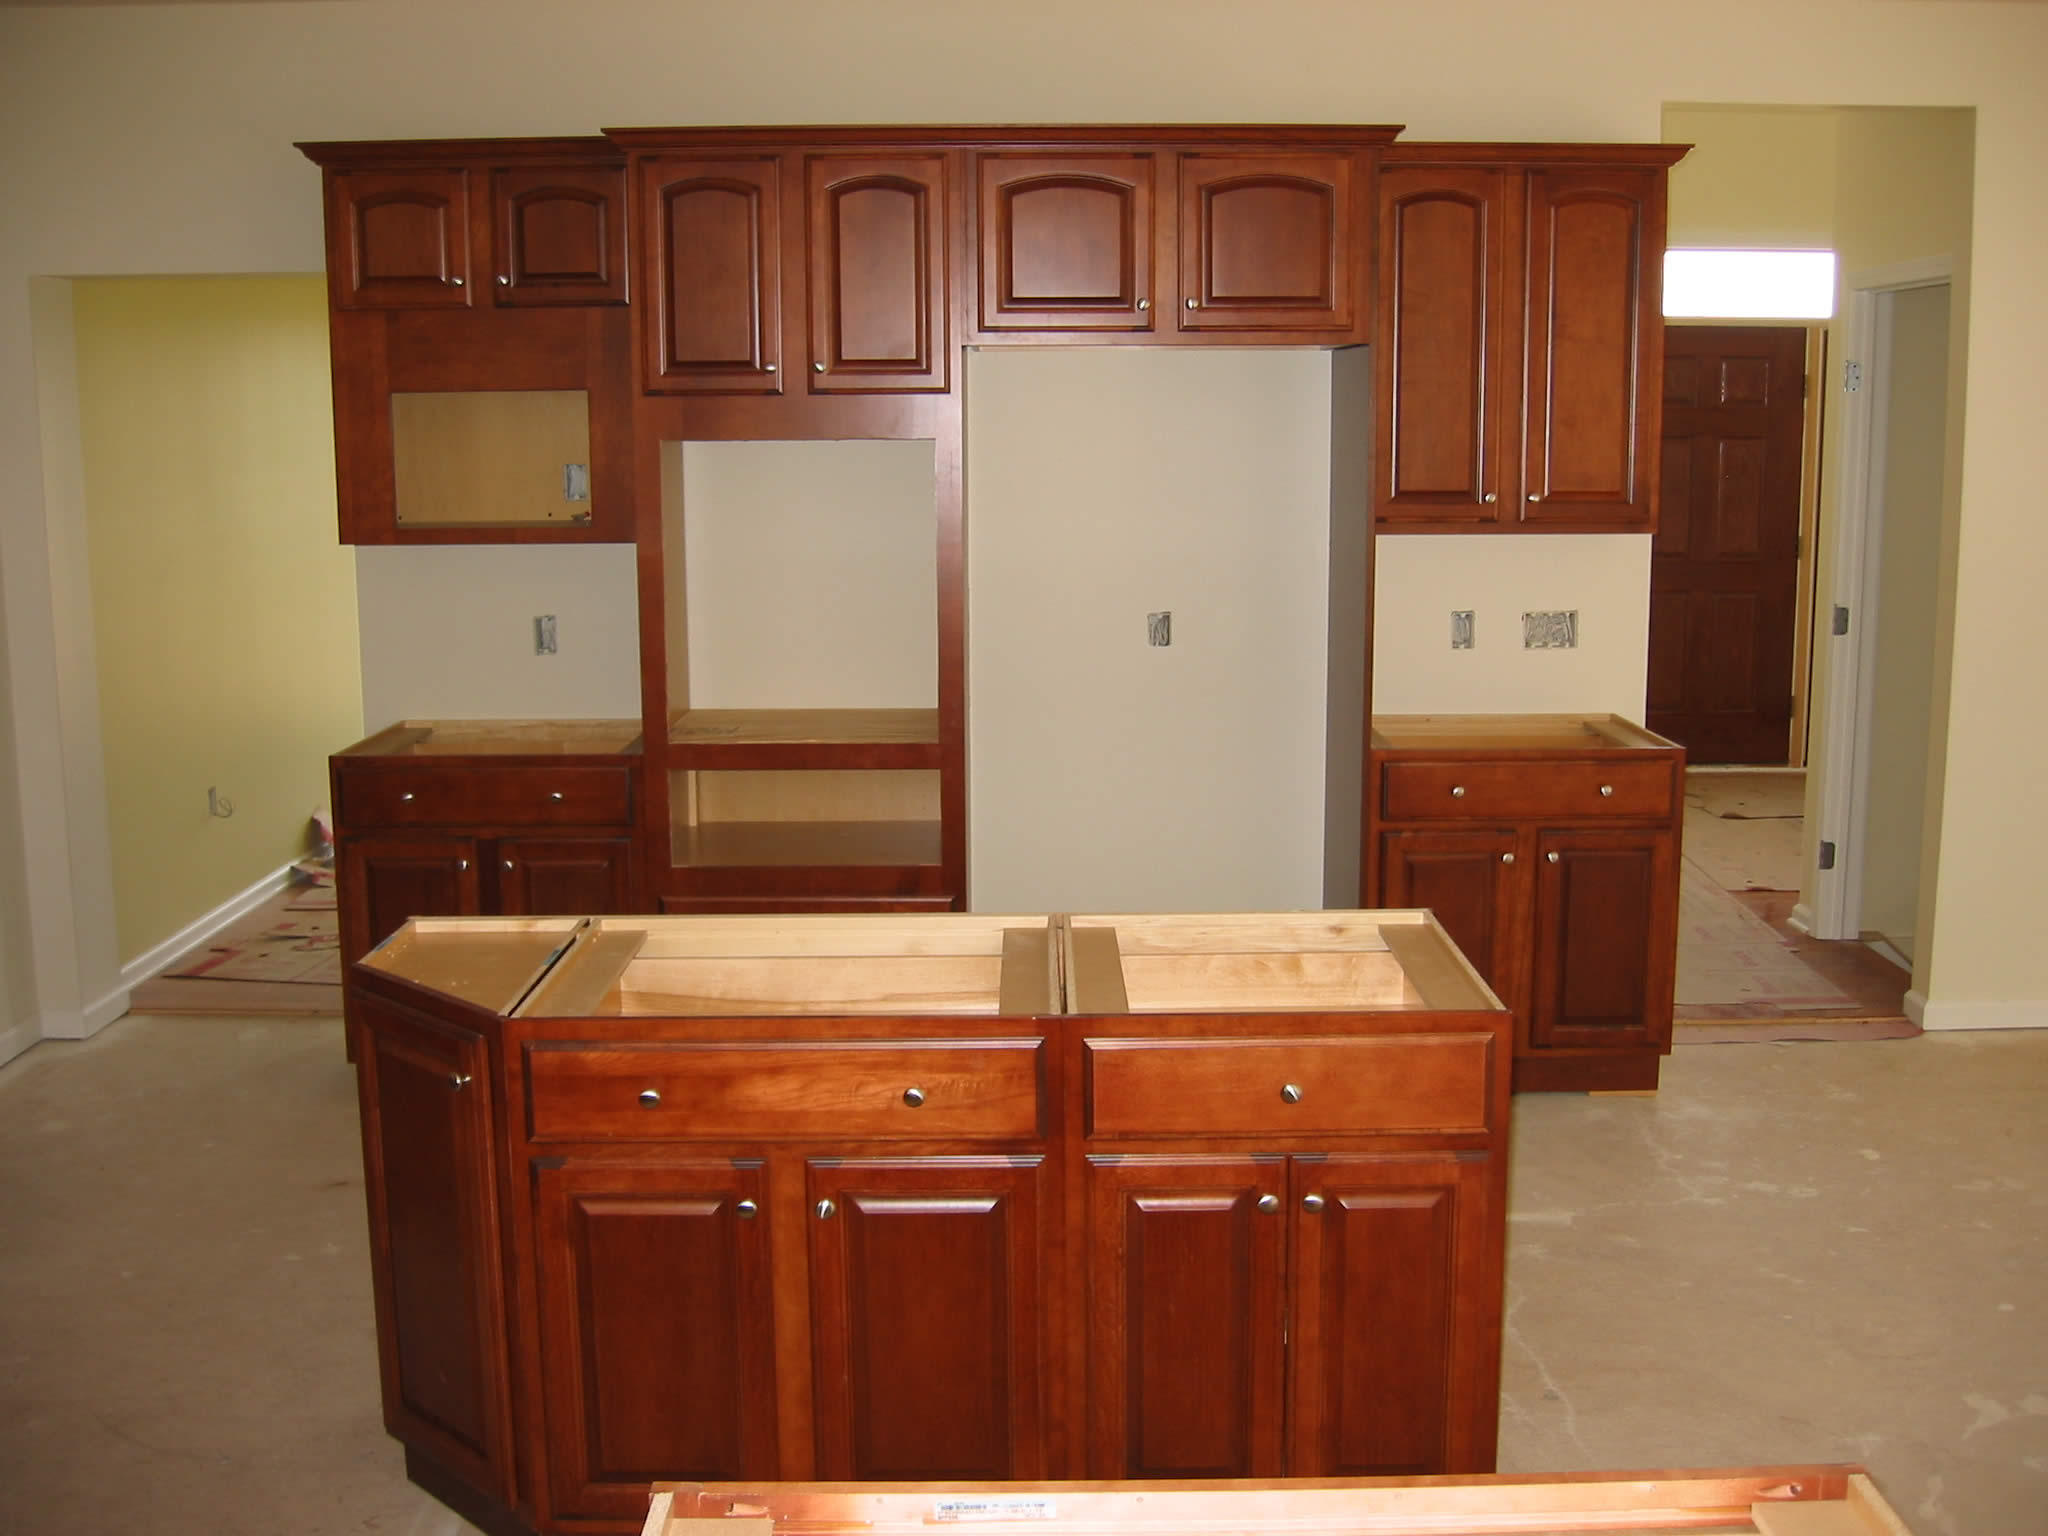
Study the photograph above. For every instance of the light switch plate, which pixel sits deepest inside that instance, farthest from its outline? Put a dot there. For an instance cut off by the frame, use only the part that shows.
(1461, 629)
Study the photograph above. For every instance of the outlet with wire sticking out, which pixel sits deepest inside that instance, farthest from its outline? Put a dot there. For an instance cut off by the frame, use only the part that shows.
(218, 804)
(1551, 629)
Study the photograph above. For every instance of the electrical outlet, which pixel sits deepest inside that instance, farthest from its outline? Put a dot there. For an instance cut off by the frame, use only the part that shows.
(1461, 629)
(1159, 629)
(543, 634)
(1551, 629)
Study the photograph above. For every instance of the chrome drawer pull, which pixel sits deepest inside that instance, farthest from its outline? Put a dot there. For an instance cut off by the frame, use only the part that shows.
(827, 1210)
(649, 1097)
(913, 1097)
(1607, 790)
(458, 1080)
(1551, 856)
(1269, 1202)
(406, 796)
(1457, 791)
(1507, 858)
(554, 794)
(1291, 1092)
(746, 1210)
(1311, 1202)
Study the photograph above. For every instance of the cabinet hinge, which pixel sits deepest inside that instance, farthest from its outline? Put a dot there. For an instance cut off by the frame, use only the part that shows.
(1852, 375)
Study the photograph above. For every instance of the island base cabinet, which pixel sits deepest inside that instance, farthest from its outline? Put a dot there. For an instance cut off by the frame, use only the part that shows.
(655, 1322)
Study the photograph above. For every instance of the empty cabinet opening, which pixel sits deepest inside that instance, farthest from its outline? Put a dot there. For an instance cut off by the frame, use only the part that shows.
(805, 816)
(491, 458)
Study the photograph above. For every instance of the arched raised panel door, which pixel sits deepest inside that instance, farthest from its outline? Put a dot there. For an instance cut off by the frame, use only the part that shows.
(559, 236)
(1066, 242)
(711, 307)
(878, 271)
(1447, 374)
(403, 239)
(1595, 242)
(1270, 243)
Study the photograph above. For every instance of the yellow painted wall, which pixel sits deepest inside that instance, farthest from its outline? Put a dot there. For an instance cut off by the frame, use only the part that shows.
(1757, 178)
(224, 612)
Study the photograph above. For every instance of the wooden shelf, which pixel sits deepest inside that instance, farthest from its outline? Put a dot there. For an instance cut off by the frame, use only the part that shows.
(786, 844)
(804, 738)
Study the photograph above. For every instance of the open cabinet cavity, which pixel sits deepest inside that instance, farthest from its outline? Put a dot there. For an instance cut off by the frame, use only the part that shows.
(491, 458)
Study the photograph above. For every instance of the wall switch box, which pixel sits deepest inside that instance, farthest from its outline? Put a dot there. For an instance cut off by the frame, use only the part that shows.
(1552, 629)
(544, 634)
(1461, 629)
(1159, 629)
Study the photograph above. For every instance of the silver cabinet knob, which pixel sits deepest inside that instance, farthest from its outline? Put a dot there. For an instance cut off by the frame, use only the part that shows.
(1490, 498)
(1312, 1202)
(508, 864)
(504, 281)
(826, 1210)
(1192, 304)
(462, 863)
(1606, 791)
(406, 796)
(458, 1080)
(768, 368)
(1144, 304)
(1291, 1092)
(913, 1097)
(1507, 858)
(1551, 856)
(746, 1210)
(554, 794)
(1533, 496)
(1457, 791)
(817, 367)
(649, 1097)
(455, 282)
(1269, 1202)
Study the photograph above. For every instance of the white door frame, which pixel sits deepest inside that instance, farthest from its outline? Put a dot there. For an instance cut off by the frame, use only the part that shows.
(1858, 540)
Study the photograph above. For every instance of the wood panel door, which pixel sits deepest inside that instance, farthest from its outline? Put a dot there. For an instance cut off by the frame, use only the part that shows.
(558, 235)
(435, 1266)
(399, 239)
(1595, 244)
(928, 1328)
(1271, 243)
(1725, 562)
(1393, 1365)
(382, 881)
(710, 237)
(1066, 242)
(1448, 370)
(564, 876)
(1605, 905)
(881, 314)
(657, 1357)
(1185, 1316)
(1475, 883)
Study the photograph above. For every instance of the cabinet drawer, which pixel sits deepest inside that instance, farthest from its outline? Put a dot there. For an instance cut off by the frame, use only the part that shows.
(784, 1091)
(1463, 790)
(1311, 1086)
(441, 796)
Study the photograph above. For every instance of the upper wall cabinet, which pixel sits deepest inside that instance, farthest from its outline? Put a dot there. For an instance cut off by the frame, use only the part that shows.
(461, 418)
(1521, 337)
(750, 256)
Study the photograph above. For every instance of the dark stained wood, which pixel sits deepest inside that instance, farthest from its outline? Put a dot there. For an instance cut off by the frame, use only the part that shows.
(555, 876)
(1394, 1358)
(658, 1347)
(558, 235)
(429, 1156)
(381, 880)
(879, 268)
(1067, 242)
(926, 1295)
(1469, 879)
(1274, 242)
(1724, 565)
(1604, 972)
(1185, 1316)
(399, 239)
(711, 287)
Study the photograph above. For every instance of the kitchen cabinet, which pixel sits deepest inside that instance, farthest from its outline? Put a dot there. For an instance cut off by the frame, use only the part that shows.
(1519, 381)
(887, 1196)
(1548, 847)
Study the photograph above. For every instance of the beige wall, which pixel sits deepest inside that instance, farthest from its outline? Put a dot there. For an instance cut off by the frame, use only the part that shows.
(156, 139)
(224, 614)
(1757, 178)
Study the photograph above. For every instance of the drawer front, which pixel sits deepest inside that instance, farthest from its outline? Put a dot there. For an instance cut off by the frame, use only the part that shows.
(599, 794)
(781, 1091)
(1399, 1084)
(1457, 791)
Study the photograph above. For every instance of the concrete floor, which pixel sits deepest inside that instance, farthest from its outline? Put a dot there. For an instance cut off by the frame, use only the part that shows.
(1810, 1252)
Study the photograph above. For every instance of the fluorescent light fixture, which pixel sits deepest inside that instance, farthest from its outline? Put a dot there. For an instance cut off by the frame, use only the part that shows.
(1750, 285)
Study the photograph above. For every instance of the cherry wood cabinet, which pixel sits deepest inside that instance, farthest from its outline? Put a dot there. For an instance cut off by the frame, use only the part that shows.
(1519, 379)
(1067, 241)
(949, 1197)
(1548, 848)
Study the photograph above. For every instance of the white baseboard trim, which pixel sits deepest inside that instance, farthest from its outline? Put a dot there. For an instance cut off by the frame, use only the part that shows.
(144, 967)
(1800, 918)
(1934, 1014)
(18, 1038)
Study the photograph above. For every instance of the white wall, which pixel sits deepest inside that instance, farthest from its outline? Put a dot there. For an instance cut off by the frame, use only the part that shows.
(157, 139)
(1106, 773)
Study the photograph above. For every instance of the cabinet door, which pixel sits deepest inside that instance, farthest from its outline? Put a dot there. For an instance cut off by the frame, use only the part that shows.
(711, 295)
(1271, 243)
(1066, 242)
(398, 239)
(558, 235)
(382, 881)
(1186, 1263)
(429, 1178)
(1606, 940)
(564, 876)
(1474, 882)
(876, 243)
(1448, 367)
(1394, 1363)
(657, 1356)
(1594, 349)
(926, 1304)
